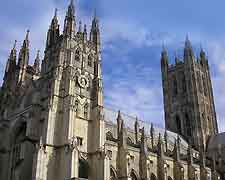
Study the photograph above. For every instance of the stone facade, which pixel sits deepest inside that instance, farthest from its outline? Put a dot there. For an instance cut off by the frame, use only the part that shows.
(188, 97)
(53, 125)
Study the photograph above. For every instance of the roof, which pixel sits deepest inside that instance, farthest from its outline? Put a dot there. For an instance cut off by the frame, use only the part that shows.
(129, 122)
(217, 142)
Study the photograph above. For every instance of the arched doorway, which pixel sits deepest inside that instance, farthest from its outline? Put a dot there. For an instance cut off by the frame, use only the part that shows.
(22, 152)
(83, 169)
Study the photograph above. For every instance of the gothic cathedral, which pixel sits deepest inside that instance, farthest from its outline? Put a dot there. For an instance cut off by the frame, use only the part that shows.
(54, 125)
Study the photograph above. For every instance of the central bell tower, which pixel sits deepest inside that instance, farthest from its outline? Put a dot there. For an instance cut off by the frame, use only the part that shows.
(188, 97)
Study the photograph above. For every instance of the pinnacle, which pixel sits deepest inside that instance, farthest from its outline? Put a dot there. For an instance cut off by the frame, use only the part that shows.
(38, 54)
(27, 35)
(119, 115)
(56, 12)
(187, 42)
(72, 2)
(85, 28)
(80, 26)
(14, 45)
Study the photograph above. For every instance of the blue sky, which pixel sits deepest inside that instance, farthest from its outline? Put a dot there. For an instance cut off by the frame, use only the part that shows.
(132, 36)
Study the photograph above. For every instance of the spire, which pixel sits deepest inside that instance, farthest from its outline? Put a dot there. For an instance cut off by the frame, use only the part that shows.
(121, 131)
(85, 28)
(26, 40)
(53, 32)
(37, 63)
(14, 46)
(56, 11)
(143, 143)
(85, 33)
(152, 135)
(188, 51)
(54, 23)
(164, 57)
(176, 150)
(11, 63)
(119, 122)
(202, 54)
(136, 127)
(69, 22)
(13, 53)
(24, 52)
(95, 32)
(166, 139)
(188, 43)
(160, 146)
(176, 58)
(23, 59)
(80, 27)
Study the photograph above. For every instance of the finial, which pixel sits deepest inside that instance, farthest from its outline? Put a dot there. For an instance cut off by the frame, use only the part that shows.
(14, 45)
(165, 134)
(160, 137)
(119, 115)
(38, 54)
(85, 28)
(152, 128)
(27, 35)
(187, 38)
(80, 26)
(187, 42)
(163, 46)
(71, 2)
(164, 51)
(95, 13)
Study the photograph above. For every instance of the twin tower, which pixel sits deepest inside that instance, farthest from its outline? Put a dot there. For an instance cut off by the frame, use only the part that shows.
(188, 97)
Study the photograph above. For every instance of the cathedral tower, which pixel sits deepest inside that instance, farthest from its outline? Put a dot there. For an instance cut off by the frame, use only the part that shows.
(188, 96)
(73, 132)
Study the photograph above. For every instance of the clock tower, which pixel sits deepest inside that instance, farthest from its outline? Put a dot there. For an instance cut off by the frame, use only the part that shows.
(73, 129)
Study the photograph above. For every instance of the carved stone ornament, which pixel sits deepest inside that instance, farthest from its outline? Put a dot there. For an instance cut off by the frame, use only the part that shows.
(73, 143)
(83, 82)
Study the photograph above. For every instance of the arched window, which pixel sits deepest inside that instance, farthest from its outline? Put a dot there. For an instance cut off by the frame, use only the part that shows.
(133, 175)
(18, 152)
(90, 59)
(112, 174)
(153, 177)
(83, 169)
(175, 86)
(184, 87)
(204, 86)
(77, 55)
(169, 178)
(209, 124)
(178, 124)
(199, 82)
(188, 125)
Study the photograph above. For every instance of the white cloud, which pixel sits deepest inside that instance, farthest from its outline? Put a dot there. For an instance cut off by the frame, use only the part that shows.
(133, 32)
(216, 52)
(134, 95)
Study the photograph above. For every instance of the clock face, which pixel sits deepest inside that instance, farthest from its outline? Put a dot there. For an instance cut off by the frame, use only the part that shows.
(83, 81)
